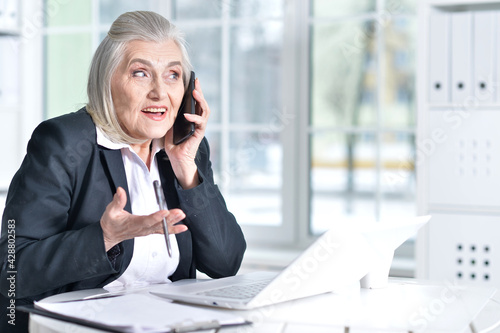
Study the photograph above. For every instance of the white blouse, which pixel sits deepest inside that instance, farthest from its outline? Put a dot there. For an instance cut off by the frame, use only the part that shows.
(150, 261)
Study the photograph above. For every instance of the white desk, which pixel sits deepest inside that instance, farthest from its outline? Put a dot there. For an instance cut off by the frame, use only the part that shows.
(406, 305)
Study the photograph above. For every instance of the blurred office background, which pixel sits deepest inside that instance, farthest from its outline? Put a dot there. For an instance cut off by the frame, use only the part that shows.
(313, 104)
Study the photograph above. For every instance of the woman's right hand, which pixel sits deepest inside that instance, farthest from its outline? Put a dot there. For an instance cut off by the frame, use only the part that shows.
(118, 225)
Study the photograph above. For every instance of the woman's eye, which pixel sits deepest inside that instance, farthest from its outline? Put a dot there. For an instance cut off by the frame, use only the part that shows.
(139, 74)
(173, 76)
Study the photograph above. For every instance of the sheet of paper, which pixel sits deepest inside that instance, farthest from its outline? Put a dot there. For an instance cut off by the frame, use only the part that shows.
(139, 313)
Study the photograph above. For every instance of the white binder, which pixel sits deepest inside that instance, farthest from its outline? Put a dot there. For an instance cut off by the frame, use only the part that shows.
(461, 87)
(484, 41)
(438, 58)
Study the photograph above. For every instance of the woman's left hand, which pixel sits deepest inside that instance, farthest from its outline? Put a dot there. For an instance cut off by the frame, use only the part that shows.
(182, 156)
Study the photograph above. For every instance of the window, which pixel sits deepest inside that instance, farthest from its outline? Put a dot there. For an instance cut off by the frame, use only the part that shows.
(362, 111)
(236, 49)
(313, 107)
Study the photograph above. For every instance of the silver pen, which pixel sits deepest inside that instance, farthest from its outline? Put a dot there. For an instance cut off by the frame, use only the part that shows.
(163, 206)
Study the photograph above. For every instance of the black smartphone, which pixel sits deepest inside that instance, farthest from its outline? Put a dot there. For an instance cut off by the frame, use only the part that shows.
(183, 128)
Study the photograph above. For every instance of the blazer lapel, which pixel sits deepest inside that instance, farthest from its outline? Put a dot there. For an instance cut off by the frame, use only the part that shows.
(167, 178)
(115, 171)
(184, 242)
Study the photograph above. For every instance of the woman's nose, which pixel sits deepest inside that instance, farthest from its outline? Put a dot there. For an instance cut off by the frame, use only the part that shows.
(158, 90)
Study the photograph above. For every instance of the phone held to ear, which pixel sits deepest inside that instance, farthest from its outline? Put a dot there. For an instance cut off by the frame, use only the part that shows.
(183, 128)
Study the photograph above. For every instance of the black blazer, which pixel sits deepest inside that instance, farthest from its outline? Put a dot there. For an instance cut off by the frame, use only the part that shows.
(56, 200)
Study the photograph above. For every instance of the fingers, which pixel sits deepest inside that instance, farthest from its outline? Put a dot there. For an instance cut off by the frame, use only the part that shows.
(177, 229)
(112, 219)
(114, 210)
(194, 118)
(119, 200)
(118, 225)
(202, 108)
(172, 216)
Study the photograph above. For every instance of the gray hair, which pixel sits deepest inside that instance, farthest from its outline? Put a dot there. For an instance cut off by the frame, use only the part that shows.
(139, 25)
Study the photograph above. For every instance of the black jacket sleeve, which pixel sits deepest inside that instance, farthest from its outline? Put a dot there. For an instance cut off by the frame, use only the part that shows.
(218, 242)
(47, 250)
(51, 235)
(58, 196)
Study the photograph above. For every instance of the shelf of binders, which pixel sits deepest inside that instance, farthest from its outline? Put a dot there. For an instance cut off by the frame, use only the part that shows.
(458, 136)
(463, 68)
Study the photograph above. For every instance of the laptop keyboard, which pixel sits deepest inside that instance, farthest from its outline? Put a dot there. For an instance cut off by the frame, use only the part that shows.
(239, 291)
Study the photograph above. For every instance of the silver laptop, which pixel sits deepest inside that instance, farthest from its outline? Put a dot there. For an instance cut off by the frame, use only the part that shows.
(336, 260)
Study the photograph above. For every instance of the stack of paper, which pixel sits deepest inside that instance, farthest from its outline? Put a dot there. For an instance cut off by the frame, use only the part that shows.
(139, 313)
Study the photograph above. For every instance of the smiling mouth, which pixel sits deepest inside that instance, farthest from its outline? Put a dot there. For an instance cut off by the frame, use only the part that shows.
(155, 111)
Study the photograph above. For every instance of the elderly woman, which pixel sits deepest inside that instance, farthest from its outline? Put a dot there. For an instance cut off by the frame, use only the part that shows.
(82, 206)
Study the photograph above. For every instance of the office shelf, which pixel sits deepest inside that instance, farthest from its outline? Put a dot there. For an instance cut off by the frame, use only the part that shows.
(458, 178)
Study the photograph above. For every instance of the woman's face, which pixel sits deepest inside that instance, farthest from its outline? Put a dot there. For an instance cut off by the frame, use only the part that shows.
(147, 88)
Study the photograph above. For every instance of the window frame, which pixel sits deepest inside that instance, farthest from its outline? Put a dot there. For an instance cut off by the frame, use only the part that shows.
(404, 263)
(294, 232)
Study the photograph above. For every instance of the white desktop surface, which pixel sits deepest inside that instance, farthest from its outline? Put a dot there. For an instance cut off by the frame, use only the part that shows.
(405, 305)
